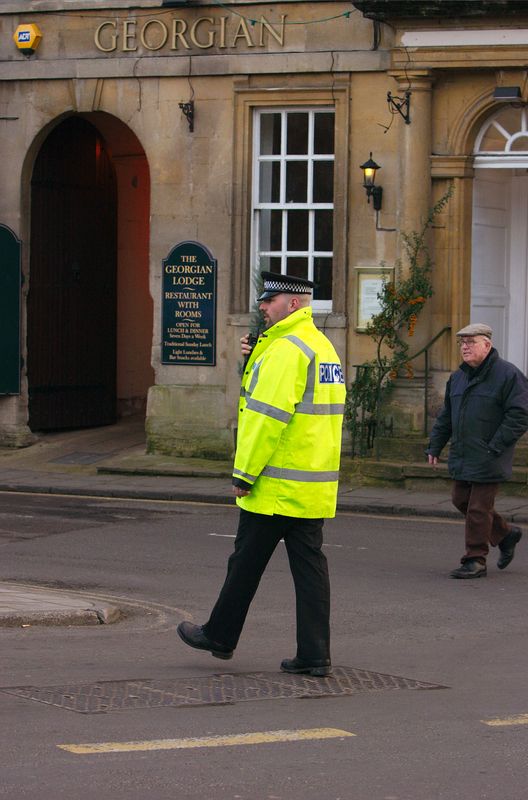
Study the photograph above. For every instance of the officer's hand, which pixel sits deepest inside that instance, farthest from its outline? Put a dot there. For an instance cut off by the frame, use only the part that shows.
(245, 347)
(433, 460)
(238, 492)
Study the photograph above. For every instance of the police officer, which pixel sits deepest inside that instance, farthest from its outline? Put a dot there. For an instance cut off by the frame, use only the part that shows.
(285, 475)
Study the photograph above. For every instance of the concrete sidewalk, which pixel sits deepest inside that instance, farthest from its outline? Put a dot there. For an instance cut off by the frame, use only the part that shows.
(111, 462)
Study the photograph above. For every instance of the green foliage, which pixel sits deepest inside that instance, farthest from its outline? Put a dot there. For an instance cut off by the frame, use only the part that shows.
(401, 301)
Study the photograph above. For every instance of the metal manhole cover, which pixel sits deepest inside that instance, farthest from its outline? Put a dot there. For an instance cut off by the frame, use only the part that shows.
(106, 696)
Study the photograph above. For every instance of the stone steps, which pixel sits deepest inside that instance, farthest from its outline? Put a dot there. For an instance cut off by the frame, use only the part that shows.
(412, 449)
(418, 475)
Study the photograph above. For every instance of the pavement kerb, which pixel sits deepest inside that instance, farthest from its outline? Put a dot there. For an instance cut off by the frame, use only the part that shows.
(344, 503)
(27, 606)
(105, 616)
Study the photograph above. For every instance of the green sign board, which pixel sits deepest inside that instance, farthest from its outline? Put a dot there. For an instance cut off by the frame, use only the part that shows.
(9, 312)
(188, 334)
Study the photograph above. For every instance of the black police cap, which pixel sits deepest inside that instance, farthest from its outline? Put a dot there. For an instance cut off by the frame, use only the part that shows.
(275, 283)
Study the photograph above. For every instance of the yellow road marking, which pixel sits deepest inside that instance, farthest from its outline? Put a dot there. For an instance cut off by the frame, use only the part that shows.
(520, 719)
(262, 737)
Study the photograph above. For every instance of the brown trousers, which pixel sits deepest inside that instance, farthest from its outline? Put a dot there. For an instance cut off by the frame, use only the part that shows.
(484, 526)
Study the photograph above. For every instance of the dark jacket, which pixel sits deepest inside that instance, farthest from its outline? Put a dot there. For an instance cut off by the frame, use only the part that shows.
(485, 412)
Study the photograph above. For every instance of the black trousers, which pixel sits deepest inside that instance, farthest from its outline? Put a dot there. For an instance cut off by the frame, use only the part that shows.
(257, 537)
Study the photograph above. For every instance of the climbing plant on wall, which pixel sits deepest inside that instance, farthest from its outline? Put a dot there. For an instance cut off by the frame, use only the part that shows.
(401, 301)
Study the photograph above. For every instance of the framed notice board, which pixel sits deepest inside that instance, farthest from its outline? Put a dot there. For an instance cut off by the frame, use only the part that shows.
(189, 306)
(370, 282)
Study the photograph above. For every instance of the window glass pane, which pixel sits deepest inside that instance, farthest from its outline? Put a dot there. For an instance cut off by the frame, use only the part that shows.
(298, 267)
(269, 263)
(322, 278)
(263, 264)
(297, 131)
(296, 181)
(323, 230)
(270, 230)
(297, 230)
(323, 181)
(269, 182)
(324, 133)
(520, 144)
(270, 134)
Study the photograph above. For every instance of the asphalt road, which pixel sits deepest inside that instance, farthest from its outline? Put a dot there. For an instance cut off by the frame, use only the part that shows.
(395, 613)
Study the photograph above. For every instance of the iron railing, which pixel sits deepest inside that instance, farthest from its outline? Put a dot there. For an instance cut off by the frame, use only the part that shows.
(364, 418)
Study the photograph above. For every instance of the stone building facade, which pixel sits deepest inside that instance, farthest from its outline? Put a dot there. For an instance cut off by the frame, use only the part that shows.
(154, 156)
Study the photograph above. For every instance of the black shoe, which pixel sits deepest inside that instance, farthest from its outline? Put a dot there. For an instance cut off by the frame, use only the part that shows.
(507, 547)
(194, 636)
(470, 569)
(318, 669)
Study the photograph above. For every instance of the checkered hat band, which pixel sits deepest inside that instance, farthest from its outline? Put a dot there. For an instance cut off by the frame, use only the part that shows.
(286, 286)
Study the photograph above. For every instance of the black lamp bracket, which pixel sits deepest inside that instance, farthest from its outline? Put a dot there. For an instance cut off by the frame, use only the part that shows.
(400, 105)
(376, 193)
(188, 113)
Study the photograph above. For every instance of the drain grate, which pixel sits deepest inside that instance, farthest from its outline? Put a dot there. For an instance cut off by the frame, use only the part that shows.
(107, 696)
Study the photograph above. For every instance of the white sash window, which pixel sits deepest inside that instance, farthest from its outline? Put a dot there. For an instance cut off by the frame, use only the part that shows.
(293, 196)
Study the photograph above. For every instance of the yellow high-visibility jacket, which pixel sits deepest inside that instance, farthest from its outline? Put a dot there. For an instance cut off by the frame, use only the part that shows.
(290, 422)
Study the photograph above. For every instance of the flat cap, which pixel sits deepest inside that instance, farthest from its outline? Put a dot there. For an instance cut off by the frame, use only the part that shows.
(476, 329)
(275, 283)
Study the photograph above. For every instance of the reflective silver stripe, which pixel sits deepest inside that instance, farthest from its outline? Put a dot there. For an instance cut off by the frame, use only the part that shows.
(302, 346)
(299, 474)
(309, 390)
(254, 378)
(268, 411)
(320, 408)
(245, 475)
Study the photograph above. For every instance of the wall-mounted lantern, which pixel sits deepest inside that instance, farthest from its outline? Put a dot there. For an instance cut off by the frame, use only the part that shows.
(369, 178)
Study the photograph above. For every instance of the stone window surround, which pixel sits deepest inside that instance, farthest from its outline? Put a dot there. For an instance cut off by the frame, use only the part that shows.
(246, 100)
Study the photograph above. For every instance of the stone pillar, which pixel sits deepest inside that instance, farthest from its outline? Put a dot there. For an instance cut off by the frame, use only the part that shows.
(406, 403)
(415, 149)
(415, 145)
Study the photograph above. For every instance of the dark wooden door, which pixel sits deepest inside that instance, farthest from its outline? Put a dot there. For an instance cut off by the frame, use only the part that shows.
(72, 282)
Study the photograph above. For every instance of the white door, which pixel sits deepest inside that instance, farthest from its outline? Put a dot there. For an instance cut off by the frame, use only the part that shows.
(518, 316)
(499, 284)
(490, 263)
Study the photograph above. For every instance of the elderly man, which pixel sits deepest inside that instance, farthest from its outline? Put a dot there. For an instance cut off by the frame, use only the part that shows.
(285, 475)
(485, 412)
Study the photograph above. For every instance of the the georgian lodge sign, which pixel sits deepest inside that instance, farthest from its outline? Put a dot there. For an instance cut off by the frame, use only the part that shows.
(188, 334)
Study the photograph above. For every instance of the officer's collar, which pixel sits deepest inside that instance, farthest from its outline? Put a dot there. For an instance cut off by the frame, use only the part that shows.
(291, 319)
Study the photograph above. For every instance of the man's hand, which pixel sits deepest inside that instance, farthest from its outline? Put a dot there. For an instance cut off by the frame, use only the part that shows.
(433, 460)
(245, 347)
(238, 492)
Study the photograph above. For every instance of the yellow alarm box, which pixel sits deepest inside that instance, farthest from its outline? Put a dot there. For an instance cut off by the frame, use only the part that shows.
(27, 38)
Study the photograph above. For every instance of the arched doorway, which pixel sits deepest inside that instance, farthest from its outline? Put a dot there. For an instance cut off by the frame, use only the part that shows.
(72, 295)
(90, 312)
(499, 272)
